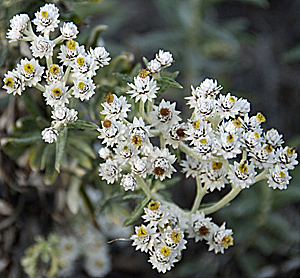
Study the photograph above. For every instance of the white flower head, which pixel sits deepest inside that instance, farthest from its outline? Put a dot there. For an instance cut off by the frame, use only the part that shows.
(46, 19)
(251, 140)
(138, 132)
(220, 239)
(191, 167)
(49, 135)
(13, 83)
(207, 88)
(69, 52)
(109, 171)
(242, 174)
(69, 248)
(286, 158)
(144, 89)
(228, 145)
(126, 152)
(64, 114)
(164, 115)
(156, 214)
(227, 106)
(100, 55)
(41, 47)
(54, 74)
(112, 132)
(56, 94)
(105, 153)
(205, 107)
(69, 31)
(205, 147)
(84, 66)
(14, 35)
(115, 107)
(198, 129)
(175, 134)
(174, 239)
(273, 138)
(30, 70)
(214, 176)
(263, 157)
(139, 166)
(278, 177)
(199, 226)
(165, 58)
(128, 181)
(161, 163)
(84, 88)
(19, 22)
(154, 66)
(144, 238)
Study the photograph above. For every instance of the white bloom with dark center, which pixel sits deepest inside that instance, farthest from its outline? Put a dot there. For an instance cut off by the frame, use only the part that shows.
(220, 239)
(30, 70)
(175, 134)
(69, 52)
(128, 181)
(228, 145)
(84, 66)
(84, 88)
(156, 214)
(205, 147)
(41, 47)
(125, 152)
(49, 135)
(263, 157)
(138, 133)
(251, 140)
(46, 19)
(164, 115)
(143, 89)
(56, 94)
(69, 31)
(198, 129)
(227, 106)
(112, 132)
(100, 55)
(286, 158)
(115, 107)
(278, 177)
(54, 74)
(165, 58)
(242, 174)
(13, 83)
(191, 167)
(174, 239)
(109, 171)
(214, 176)
(144, 238)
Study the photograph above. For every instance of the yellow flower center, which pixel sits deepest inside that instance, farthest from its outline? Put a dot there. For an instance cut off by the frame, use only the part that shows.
(107, 123)
(142, 232)
(80, 61)
(230, 138)
(125, 148)
(216, 165)
(227, 241)
(232, 99)
(9, 82)
(54, 69)
(165, 251)
(243, 168)
(57, 91)
(175, 236)
(109, 98)
(136, 140)
(153, 205)
(237, 123)
(290, 151)
(268, 148)
(260, 117)
(281, 174)
(203, 141)
(196, 124)
(29, 68)
(71, 44)
(44, 14)
(143, 73)
(81, 85)
(256, 134)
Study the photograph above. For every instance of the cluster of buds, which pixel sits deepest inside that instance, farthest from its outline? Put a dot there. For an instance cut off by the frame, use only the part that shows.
(77, 63)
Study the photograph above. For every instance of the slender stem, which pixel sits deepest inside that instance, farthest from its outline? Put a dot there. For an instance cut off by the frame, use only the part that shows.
(244, 155)
(143, 186)
(58, 40)
(162, 141)
(67, 73)
(142, 108)
(40, 87)
(49, 61)
(261, 176)
(200, 193)
(224, 201)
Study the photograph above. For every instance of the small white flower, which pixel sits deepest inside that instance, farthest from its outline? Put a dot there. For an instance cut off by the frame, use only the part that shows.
(244, 106)
(205, 147)
(214, 176)
(164, 115)
(191, 167)
(242, 174)
(154, 66)
(84, 66)
(128, 181)
(84, 88)
(174, 239)
(46, 19)
(220, 239)
(100, 55)
(114, 107)
(175, 134)
(227, 106)
(278, 178)
(14, 35)
(112, 132)
(251, 140)
(144, 89)
(19, 22)
(139, 166)
(144, 238)
(64, 114)
(54, 74)
(69, 52)
(161, 163)
(228, 145)
(13, 83)
(156, 214)
(138, 132)
(69, 248)
(109, 171)
(273, 138)
(105, 153)
(30, 70)
(198, 129)
(286, 158)
(49, 135)
(56, 94)
(126, 152)
(41, 47)
(165, 58)
(69, 31)
(263, 157)
(205, 107)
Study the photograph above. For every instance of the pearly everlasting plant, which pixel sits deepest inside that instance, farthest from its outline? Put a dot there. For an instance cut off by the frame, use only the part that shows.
(145, 144)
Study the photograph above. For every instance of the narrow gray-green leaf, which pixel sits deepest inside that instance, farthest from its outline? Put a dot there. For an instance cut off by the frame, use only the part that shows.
(83, 125)
(60, 148)
(170, 82)
(136, 214)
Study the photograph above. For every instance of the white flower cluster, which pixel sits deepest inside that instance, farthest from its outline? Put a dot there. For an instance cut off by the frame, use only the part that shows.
(88, 243)
(82, 64)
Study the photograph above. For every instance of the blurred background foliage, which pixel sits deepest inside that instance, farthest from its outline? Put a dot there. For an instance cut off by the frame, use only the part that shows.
(250, 46)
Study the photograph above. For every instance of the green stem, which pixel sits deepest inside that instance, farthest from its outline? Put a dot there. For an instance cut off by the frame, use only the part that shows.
(67, 73)
(142, 107)
(261, 176)
(49, 61)
(143, 186)
(40, 87)
(58, 40)
(224, 201)
(201, 190)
